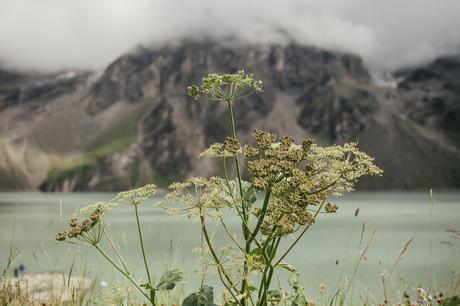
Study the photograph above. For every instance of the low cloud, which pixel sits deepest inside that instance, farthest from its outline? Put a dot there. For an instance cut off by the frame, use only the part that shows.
(58, 34)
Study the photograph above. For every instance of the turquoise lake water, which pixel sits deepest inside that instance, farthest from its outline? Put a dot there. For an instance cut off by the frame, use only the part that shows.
(327, 252)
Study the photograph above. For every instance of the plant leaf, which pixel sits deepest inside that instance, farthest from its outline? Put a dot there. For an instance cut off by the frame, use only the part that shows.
(249, 196)
(204, 297)
(286, 266)
(169, 279)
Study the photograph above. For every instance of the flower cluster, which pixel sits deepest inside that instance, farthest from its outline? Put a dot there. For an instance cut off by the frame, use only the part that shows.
(196, 193)
(136, 196)
(201, 195)
(297, 175)
(339, 167)
(232, 145)
(282, 218)
(334, 168)
(84, 230)
(225, 87)
(263, 139)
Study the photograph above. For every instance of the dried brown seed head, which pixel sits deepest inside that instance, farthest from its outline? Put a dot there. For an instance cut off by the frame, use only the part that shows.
(331, 208)
(61, 236)
(249, 151)
(306, 144)
(73, 222)
(86, 225)
(259, 183)
(232, 145)
(74, 232)
(263, 139)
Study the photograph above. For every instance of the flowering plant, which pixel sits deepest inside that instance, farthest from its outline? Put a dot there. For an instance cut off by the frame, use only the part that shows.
(293, 180)
(288, 186)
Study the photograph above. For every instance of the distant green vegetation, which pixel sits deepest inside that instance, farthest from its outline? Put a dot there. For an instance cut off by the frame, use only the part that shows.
(112, 140)
(117, 136)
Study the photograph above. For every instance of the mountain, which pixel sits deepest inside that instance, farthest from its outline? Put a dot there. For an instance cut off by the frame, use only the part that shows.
(134, 123)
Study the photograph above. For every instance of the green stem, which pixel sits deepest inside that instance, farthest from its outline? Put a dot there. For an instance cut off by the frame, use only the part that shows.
(264, 274)
(262, 216)
(233, 131)
(227, 182)
(122, 272)
(247, 237)
(271, 268)
(252, 236)
(115, 248)
(265, 283)
(152, 291)
(220, 267)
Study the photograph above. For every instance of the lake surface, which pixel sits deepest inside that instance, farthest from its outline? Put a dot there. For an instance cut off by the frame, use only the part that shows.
(327, 252)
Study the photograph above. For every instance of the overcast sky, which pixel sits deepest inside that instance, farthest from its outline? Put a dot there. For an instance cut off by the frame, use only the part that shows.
(388, 34)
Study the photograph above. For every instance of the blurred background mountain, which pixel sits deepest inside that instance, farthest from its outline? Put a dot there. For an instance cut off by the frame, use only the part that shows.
(133, 123)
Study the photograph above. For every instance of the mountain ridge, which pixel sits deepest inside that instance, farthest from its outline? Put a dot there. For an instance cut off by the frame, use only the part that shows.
(309, 92)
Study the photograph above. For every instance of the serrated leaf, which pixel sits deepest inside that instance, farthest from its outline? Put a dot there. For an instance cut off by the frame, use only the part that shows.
(258, 257)
(204, 297)
(169, 279)
(256, 252)
(249, 196)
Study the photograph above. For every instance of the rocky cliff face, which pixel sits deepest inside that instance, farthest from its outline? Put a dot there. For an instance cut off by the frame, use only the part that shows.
(432, 95)
(137, 124)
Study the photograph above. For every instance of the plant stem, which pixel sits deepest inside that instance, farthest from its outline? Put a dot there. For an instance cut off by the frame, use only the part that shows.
(265, 283)
(270, 267)
(152, 291)
(264, 274)
(262, 216)
(233, 131)
(247, 237)
(216, 259)
(233, 134)
(122, 272)
(115, 248)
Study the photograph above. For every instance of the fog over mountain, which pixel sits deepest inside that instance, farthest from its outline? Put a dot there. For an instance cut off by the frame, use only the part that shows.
(57, 34)
(134, 124)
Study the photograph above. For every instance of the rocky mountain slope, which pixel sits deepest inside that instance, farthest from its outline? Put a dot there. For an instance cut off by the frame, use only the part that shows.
(134, 123)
